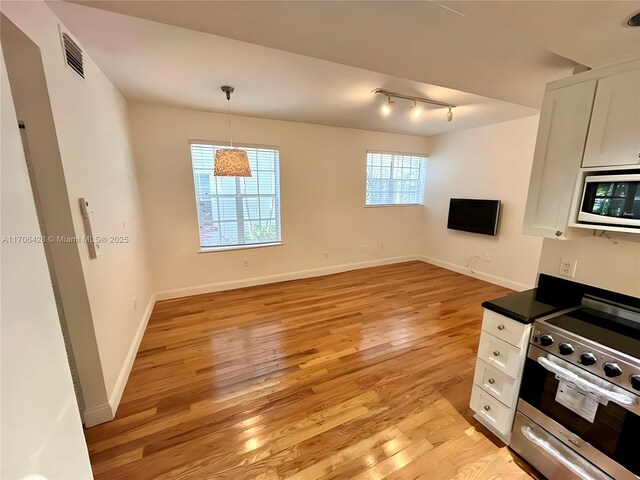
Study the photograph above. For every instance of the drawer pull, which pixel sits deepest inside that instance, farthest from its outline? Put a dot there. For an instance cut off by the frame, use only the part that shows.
(491, 381)
(486, 408)
(496, 353)
(500, 327)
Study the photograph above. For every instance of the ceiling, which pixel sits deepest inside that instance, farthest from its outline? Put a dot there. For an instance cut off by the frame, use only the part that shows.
(317, 62)
(593, 33)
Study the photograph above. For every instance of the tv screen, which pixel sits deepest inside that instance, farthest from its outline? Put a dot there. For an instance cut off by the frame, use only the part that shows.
(476, 216)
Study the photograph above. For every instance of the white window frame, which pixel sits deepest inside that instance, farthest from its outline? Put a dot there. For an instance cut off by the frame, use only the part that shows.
(421, 178)
(222, 248)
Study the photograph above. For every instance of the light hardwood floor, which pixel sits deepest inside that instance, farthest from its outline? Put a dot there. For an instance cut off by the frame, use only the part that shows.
(359, 375)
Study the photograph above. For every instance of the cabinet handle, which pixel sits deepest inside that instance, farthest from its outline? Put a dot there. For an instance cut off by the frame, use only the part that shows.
(487, 408)
(500, 327)
(558, 233)
(496, 353)
(491, 381)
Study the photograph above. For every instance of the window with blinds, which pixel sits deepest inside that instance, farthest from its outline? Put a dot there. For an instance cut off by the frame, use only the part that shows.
(395, 179)
(236, 211)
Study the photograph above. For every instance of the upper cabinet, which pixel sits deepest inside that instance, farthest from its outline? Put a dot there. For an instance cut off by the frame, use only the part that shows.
(562, 133)
(614, 134)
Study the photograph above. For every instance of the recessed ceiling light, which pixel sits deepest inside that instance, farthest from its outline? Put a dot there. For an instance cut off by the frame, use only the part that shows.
(634, 20)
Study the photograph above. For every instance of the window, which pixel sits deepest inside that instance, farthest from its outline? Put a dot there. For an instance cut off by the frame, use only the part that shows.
(395, 179)
(236, 211)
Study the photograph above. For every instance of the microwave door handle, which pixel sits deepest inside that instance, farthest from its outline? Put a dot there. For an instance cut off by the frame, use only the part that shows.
(584, 384)
(555, 454)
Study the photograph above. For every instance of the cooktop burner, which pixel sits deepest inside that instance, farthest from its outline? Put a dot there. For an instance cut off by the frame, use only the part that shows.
(615, 332)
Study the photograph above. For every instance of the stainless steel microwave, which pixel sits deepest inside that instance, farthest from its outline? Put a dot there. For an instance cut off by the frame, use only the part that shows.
(611, 200)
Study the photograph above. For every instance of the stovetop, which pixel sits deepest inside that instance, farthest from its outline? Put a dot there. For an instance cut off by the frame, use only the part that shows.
(600, 338)
(617, 333)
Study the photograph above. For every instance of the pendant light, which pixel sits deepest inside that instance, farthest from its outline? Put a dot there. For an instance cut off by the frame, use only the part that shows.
(231, 162)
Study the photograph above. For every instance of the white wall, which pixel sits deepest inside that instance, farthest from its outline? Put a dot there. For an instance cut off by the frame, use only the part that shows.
(610, 263)
(322, 189)
(41, 430)
(491, 162)
(93, 136)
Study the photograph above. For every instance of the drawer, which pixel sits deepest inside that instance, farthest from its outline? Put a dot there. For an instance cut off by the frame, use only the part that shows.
(495, 382)
(510, 331)
(493, 413)
(550, 456)
(500, 355)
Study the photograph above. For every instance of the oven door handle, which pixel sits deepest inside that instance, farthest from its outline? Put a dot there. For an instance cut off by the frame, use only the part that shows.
(555, 454)
(584, 384)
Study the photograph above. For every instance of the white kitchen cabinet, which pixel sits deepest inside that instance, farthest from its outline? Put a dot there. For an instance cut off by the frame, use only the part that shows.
(614, 133)
(562, 134)
(502, 352)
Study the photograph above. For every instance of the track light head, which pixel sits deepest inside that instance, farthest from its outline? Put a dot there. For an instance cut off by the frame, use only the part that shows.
(415, 111)
(387, 107)
(450, 114)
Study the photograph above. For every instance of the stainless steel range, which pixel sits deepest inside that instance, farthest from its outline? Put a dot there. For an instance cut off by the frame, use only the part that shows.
(579, 409)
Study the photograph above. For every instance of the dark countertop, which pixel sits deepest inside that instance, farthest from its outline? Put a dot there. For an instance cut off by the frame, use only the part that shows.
(552, 295)
(526, 306)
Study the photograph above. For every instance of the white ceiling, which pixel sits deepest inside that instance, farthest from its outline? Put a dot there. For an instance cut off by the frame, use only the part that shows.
(593, 33)
(318, 61)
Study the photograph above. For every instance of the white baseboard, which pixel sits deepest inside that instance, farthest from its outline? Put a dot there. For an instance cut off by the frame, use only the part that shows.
(96, 415)
(487, 277)
(121, 382)
(280, 277)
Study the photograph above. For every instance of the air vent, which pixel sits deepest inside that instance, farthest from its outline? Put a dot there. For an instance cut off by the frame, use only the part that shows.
(73, 54)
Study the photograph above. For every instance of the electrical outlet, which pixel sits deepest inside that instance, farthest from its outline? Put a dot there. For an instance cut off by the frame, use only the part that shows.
(487, 257)
(363, 248)
(326, 255)
(135, 303)
(568, 267)
(246, 262)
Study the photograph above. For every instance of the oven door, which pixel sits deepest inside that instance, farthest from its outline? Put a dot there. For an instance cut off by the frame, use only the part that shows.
(611, 200)
(607, 435)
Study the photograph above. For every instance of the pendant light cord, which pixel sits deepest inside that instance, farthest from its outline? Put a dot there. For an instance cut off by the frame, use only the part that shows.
(229, 118)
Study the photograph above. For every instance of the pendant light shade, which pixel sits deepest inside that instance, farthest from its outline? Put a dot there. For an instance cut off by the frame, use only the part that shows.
(231, 162)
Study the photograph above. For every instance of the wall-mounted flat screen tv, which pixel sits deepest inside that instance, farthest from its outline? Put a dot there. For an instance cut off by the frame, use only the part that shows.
(476, 216)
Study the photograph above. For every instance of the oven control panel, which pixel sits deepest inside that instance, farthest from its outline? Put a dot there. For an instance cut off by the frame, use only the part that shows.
(597, 359)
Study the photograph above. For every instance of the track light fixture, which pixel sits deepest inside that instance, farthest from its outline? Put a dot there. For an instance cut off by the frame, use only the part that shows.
(415, 110)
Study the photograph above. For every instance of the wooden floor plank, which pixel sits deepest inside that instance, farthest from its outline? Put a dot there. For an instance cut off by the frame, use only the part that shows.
(364, 374)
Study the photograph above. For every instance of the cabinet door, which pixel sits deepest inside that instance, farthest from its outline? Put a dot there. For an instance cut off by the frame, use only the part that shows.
(614, 134)
(562, 133)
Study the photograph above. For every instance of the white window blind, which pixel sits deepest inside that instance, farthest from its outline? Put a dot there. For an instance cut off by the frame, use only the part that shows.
(395, 179)
(235, 211)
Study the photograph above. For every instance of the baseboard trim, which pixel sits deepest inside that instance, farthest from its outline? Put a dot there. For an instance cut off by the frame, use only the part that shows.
(487, 277)
(121, 382)
(280, 277)
(96, 415)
